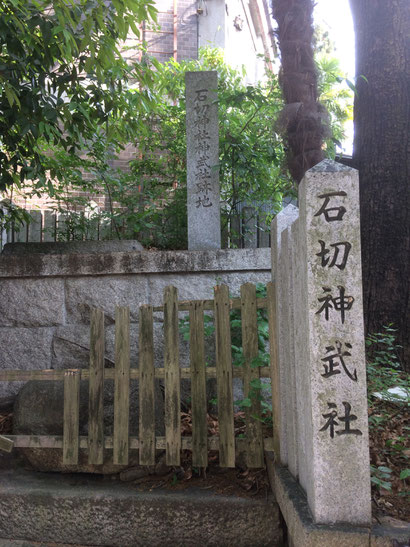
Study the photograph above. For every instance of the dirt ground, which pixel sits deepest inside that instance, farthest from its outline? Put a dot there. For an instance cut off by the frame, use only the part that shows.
(390, 448)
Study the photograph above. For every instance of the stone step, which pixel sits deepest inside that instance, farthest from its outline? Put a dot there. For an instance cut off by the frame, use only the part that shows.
(40, 508)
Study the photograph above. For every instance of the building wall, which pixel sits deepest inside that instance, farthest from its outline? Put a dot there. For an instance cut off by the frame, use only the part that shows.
(178, 36)
(241, 28)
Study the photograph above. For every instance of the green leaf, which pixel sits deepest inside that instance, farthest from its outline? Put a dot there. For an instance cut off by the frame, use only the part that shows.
(385, 469)
(256, 384)
(245, 402)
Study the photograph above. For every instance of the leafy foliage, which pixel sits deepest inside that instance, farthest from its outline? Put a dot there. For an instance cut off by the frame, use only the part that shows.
(62, 75)
(251, 154)
(380, 476)
(102, 113)
(336, 95)
(148, 200)
(383, 366)
(257, 386)
(387, 417)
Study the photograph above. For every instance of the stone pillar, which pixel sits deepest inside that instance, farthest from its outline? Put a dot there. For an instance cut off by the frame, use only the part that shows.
(280, 277)
(332, 357)
(204, 216)
(316, 268)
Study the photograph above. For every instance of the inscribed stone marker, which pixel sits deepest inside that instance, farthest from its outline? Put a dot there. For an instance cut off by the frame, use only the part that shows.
(204, 216)
(339, 486)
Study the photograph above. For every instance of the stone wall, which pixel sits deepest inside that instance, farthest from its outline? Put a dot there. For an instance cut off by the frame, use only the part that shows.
(45, 299)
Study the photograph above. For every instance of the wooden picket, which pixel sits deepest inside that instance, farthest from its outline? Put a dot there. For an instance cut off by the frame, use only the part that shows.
(122, 386)
(96, 389)
(255, 456)
(148, 443)
(198, 385)
(71, 416)
(224, 377)
(147, 387)
(172, 377)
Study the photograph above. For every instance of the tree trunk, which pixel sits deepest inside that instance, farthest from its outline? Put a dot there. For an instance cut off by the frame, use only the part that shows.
(304, 120)
(381, 152)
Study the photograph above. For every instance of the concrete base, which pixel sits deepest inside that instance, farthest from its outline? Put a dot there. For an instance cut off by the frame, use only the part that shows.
(69, 509)
(303, 532)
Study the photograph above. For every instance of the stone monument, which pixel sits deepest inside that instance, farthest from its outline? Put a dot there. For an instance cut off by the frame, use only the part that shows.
(318, 280)
(204, 215)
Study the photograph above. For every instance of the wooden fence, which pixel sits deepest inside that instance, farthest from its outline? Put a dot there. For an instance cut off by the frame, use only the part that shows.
(147, 443)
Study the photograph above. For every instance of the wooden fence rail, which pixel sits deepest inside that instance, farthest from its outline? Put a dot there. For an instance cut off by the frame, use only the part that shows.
(147, 443)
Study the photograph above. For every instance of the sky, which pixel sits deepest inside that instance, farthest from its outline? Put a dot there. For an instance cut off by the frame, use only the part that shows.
(335, 16)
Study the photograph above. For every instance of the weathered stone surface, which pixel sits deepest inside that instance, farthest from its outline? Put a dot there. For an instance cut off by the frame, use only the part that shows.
(287, 342)
(38, 410)
(159, 347)
(316, 257)
(89, 511)
(71, 346)
(69, 247)
(236, 279)
(338, 488)
(106, 293)
(31, 302)
(38, 265)
(134, 473)
(302, 531)
(203, 192)
(196, 286)
(392, 533)
(279, 276)
(23, 349)
(330, 166)
(190, 286)
(299, 352)
(47, 460)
